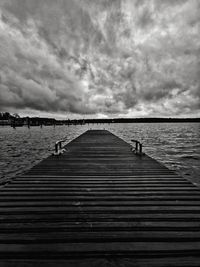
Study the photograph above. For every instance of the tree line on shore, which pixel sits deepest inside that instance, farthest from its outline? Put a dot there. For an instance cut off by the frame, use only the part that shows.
(15, 120)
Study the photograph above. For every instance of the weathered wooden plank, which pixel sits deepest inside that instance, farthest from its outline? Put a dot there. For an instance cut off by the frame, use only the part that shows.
(178, 193)
(121, 203)
(165, 261)
(105, 248)
(106, 209)
(99, 181)
(98, 236)
(111, 198)
(97, 190)
(99, 217)
(108, 186)
(100, 226)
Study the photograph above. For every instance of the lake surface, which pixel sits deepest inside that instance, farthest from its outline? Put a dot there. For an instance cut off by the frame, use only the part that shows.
(177, 145)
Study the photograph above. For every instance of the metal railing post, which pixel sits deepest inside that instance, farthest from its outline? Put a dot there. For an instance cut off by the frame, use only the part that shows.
(58, 147)
(138, 147)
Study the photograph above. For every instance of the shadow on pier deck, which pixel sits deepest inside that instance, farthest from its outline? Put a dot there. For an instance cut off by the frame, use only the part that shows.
(99, 204)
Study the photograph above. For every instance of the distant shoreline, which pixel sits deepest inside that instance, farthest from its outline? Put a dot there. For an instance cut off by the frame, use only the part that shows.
(142, 120)
(15, 120)
(37, 121)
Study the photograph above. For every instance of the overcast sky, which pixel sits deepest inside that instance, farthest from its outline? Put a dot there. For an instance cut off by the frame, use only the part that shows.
(100, 58)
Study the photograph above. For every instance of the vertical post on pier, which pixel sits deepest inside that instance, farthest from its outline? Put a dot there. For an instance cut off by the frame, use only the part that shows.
(140, 151)
(56, 148)
(60, 146)
(28, 122)
(136, 146)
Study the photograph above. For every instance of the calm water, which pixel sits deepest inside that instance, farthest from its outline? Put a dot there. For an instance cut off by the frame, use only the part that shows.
(177, 145)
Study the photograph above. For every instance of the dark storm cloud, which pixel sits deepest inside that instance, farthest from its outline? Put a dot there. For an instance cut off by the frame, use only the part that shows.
(125, 57)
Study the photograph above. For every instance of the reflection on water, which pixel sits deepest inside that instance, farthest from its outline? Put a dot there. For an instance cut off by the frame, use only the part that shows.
(177, 145)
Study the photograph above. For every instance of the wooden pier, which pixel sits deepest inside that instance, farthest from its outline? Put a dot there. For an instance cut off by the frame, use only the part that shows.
(99, 204)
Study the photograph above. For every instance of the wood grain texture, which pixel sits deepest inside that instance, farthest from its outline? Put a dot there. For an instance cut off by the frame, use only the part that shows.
(99, 204)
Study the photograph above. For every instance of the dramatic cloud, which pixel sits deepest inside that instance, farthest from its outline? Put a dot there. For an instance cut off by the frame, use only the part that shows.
(100, 57)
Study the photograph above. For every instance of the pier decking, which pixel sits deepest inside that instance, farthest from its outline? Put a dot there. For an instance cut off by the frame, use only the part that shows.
(99, 204)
